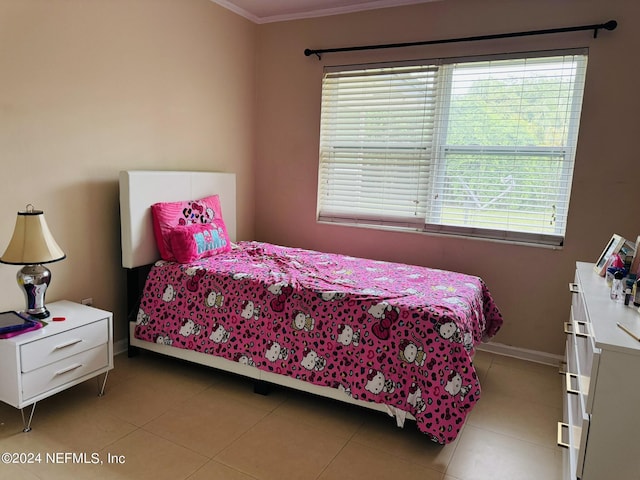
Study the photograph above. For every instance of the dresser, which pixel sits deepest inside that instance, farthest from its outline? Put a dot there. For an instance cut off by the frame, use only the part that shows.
(41, 363)
(600, 431)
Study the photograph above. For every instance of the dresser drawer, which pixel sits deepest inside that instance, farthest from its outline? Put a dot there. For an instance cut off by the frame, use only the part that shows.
(50, 349)
(587, 361)
(585, 354)
(578, 431)
(64, 371)
(571, 355)
(573, 433)
(577, 302)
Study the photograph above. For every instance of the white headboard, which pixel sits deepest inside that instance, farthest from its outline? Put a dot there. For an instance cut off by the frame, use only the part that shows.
(139, 189)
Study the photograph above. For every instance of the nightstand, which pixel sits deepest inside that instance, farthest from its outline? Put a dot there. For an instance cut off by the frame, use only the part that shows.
(41, 363)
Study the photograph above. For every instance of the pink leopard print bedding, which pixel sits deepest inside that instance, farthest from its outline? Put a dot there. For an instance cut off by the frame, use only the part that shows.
(382, 332)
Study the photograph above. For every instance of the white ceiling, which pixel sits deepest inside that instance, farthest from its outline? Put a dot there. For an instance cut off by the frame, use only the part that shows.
(266, 11)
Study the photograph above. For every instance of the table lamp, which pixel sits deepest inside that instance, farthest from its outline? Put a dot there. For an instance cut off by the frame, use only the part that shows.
(32, 245)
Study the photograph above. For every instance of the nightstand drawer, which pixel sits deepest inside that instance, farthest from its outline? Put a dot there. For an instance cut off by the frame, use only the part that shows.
(48, 350)
(64, 371)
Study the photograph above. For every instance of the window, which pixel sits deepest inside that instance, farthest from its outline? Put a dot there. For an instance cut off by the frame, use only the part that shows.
(480, 147)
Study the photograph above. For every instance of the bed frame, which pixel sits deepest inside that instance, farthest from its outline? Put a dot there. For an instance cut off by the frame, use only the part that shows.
(138, 191)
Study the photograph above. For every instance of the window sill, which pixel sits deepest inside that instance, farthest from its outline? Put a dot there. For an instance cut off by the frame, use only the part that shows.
(441, 233)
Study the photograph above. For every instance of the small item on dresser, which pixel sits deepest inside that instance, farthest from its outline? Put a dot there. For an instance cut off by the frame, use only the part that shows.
(630, 329)
(636, 293)
(611, 273)
(629, 283)
(617, 292)
(616, 261)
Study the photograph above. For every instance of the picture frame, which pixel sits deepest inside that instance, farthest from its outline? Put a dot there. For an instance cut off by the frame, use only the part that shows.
(613, 246)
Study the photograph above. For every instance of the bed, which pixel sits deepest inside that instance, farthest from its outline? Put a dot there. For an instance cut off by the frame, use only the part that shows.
(391, 337)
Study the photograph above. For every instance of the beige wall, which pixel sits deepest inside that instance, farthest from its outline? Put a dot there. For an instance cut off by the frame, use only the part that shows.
(89, 88)
(529, 284)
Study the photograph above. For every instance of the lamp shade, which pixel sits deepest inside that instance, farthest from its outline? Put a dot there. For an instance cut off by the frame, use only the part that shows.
(32, 242)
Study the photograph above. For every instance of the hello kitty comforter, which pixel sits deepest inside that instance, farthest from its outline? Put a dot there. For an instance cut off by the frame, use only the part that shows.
(382, 332)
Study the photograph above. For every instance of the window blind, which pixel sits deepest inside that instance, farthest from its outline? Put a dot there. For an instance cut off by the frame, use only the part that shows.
(481, 147)
(376, 145)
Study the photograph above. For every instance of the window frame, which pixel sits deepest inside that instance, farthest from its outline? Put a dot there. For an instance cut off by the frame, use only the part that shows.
(439, 148)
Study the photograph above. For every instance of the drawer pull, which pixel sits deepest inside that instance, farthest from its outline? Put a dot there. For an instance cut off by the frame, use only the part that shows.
(571, 328)
(568, 328)
(569, 377)
(577, 330)
(562, 368)
(68, 344)
(68, 369)
(562, 426)
(574, 288)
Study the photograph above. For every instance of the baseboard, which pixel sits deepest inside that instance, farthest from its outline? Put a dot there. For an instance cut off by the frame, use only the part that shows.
(521, 353)
(120, 346)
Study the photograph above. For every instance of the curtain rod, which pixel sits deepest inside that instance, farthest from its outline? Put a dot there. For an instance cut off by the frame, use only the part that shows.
(610, 25)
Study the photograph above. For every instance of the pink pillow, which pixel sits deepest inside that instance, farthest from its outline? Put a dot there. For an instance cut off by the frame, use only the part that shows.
(193, 242)
(168, 215)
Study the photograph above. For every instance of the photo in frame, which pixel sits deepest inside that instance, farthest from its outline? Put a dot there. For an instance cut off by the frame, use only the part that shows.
(613, 246)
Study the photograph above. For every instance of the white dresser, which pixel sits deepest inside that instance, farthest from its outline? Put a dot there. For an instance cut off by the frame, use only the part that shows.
(38, 364)
(601, 426)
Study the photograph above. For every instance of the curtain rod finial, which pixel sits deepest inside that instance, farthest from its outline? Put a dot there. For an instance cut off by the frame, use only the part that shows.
(308, 52)
(610, 25)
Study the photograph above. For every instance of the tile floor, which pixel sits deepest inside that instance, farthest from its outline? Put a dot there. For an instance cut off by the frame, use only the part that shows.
(165, 419)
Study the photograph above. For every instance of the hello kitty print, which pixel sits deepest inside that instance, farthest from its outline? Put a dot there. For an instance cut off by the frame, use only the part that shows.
(382, 332)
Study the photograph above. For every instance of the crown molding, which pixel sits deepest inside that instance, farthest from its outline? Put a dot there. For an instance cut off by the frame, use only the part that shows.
(319, 12)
